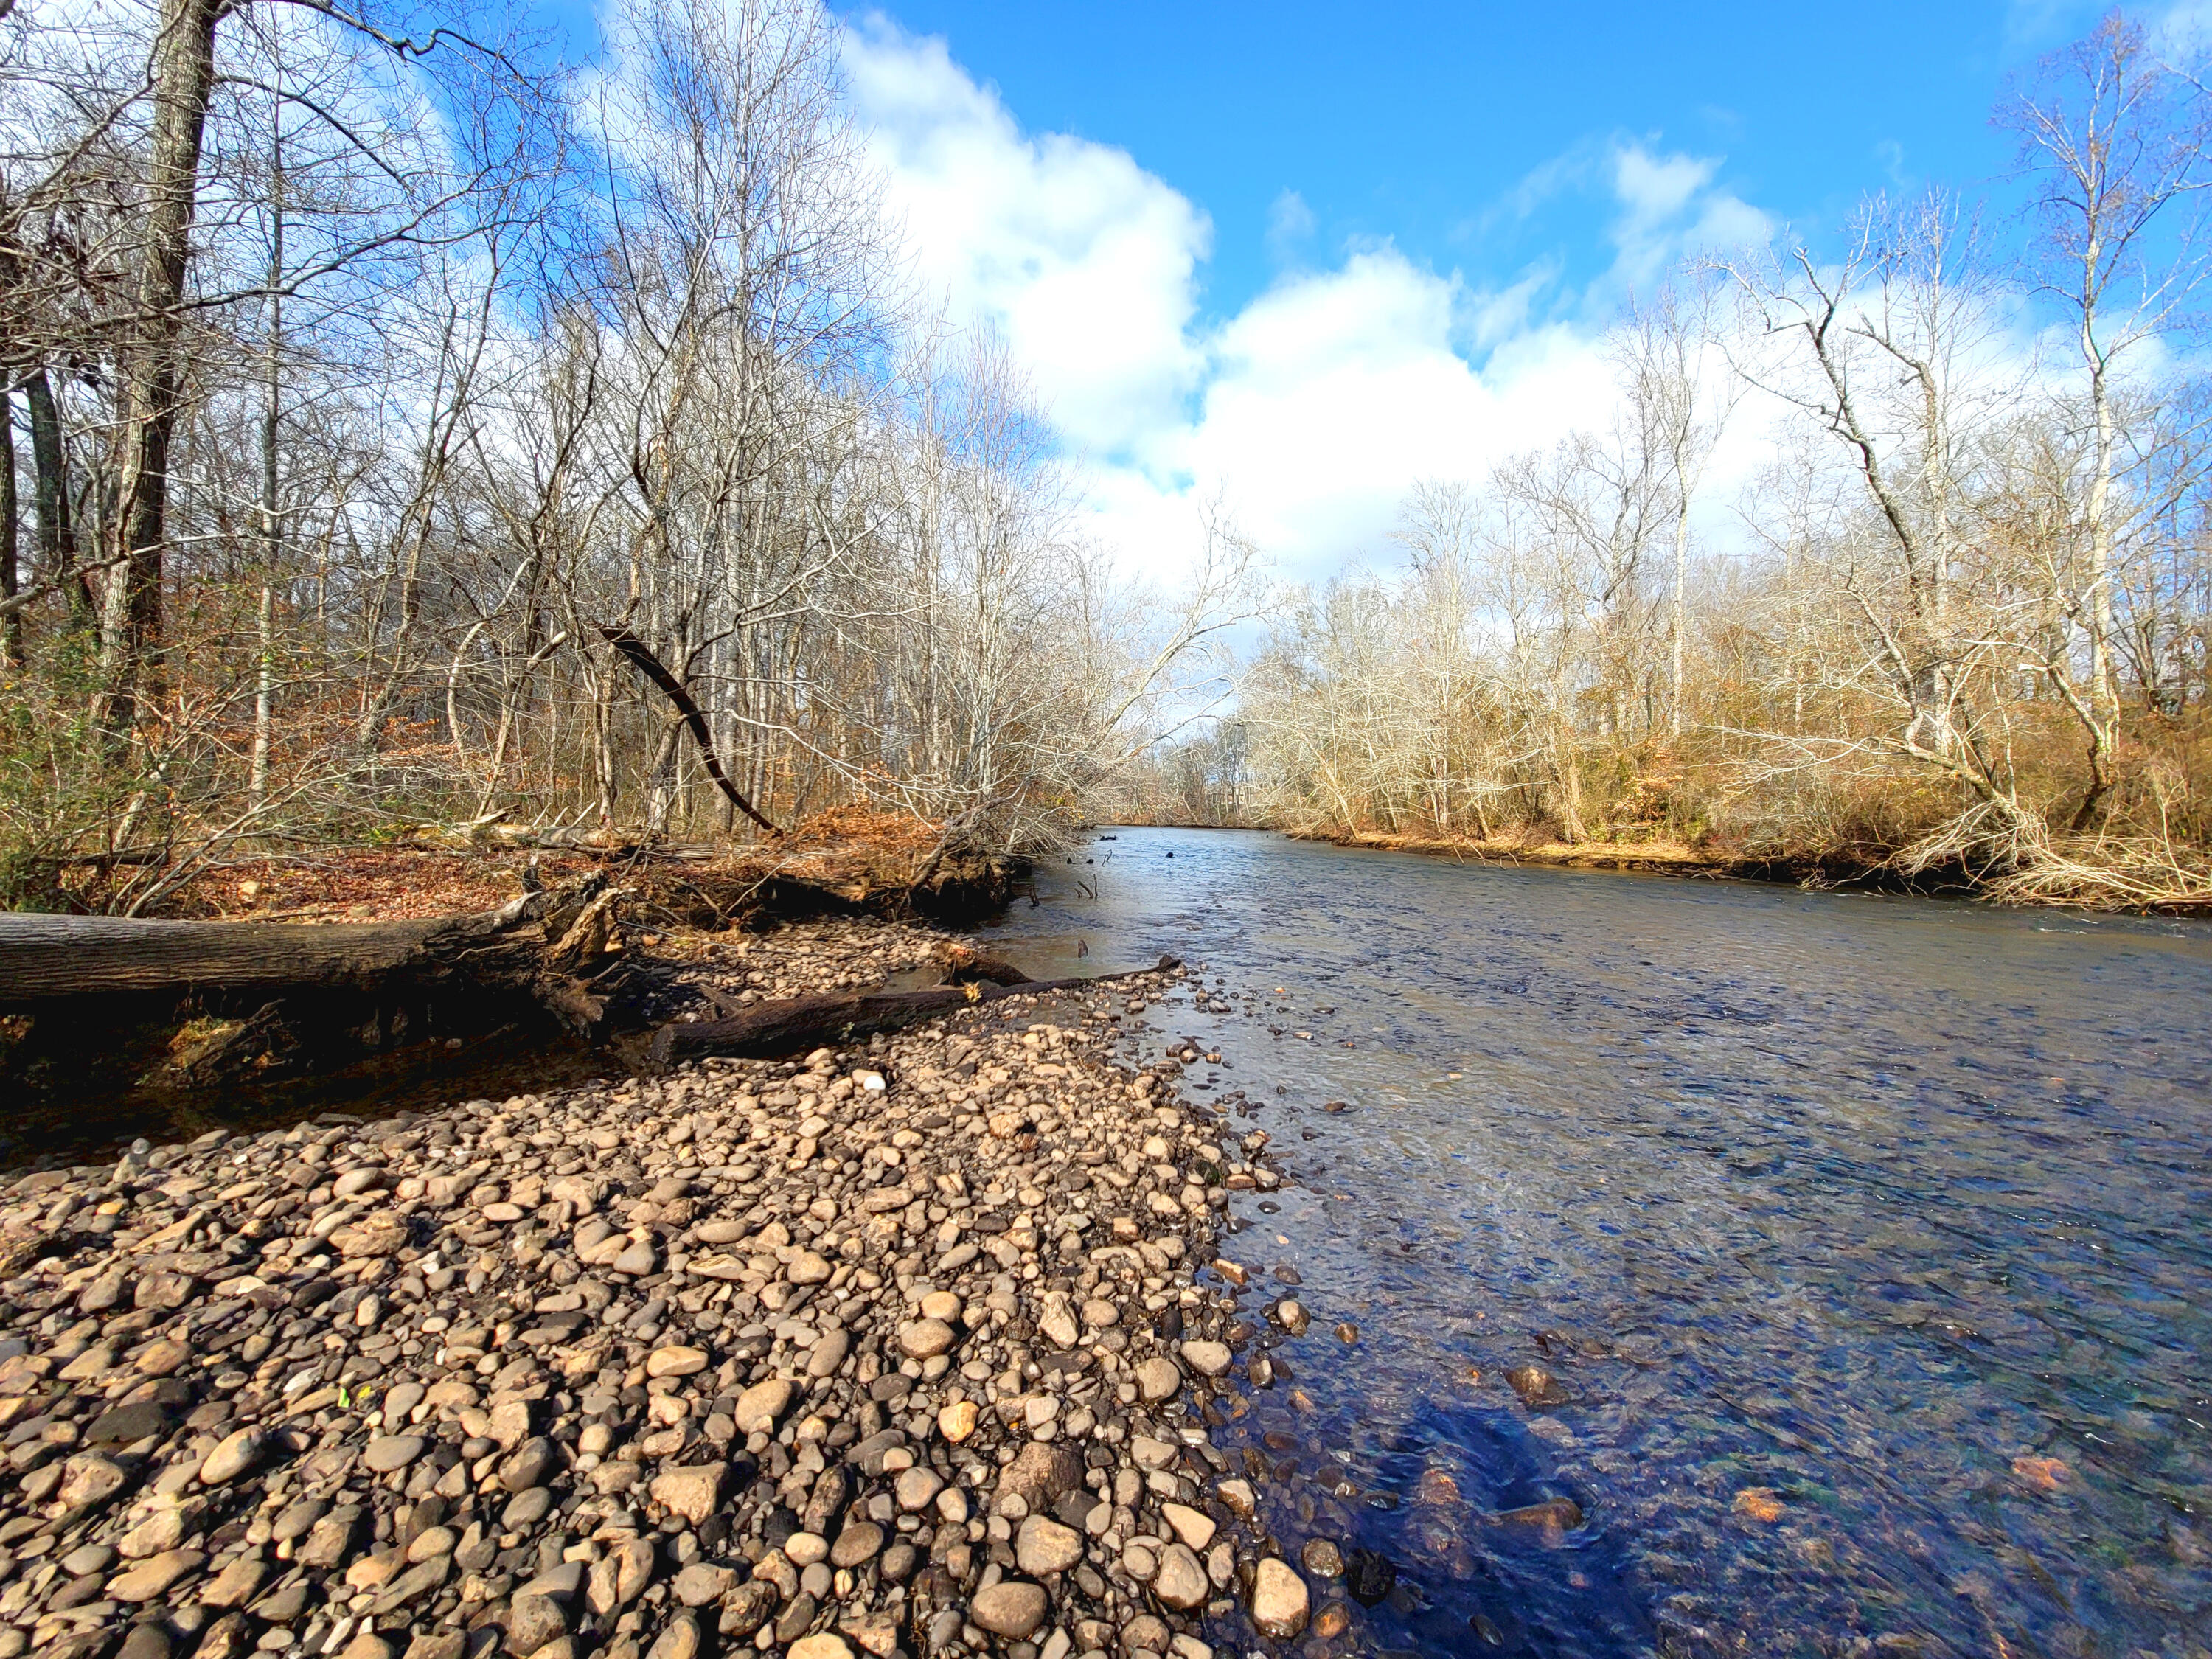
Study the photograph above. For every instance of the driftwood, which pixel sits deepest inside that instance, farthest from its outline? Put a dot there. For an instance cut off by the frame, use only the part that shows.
(795, 1024)
(44, 958)
(194, 1004)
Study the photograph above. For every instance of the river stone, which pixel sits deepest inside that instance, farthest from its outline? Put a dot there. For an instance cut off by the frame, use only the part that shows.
(926, 1339)
(392, 1451)
(330, 1538)
(1158, 1379)
(747, 1608)
(1056, 1322)
(956, 1421)
(532, 1620)
(1194, 1528)
(856, 1544)
(1280, 1602)
(1042, 1472)
(917, 1488)
(676, 1361)
(510, 1422)
(1045, 1546)
(638, 1260)
(154, 1576)
(682, 1639)
(803, 1549)
(828, 1353)
(87, 1479)
(237, 1583)
(1206, 1358)
(691, 1492)
(808, 1268)
(529, 1465)
(163, 1359)
(139, 1420)
(240, 1454)
(1180, 1580)
(1010, 1608)
(820, 1645)
(526, 1508)
(1321, 1558)
(762, 1406)
(701, 1581)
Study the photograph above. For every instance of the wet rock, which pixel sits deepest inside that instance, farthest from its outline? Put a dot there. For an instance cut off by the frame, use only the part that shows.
(1537, 1386)
(1369, 1576)
(1180, 1580)
(1206, 1358)
(1321, 1558)
(1280, 1601)
(1552, 1515)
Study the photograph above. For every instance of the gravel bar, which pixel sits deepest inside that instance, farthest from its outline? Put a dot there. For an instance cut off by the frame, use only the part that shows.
(914, 1348)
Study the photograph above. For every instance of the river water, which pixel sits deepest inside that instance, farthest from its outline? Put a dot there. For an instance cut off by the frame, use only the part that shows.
(1867, 1238)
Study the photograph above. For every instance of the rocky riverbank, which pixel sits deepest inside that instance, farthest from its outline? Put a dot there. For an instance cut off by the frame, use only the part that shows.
(899, 1349)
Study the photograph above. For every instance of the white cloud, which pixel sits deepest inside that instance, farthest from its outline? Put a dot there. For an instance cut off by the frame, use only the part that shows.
(1087, 261)
(1315, 405)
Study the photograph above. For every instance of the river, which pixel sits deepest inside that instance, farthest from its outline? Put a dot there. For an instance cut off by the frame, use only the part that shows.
(1866, 1236)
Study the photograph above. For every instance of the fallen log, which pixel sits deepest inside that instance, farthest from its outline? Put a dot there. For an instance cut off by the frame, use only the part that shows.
(794, 1024)
(44, 958)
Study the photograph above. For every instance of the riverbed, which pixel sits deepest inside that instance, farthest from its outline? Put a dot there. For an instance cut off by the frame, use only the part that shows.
(1864, 1238)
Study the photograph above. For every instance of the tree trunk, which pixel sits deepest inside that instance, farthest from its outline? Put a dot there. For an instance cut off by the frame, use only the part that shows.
(11, 632)
(56, 541)
(183, 76)
(46, 958)
(794, 1024)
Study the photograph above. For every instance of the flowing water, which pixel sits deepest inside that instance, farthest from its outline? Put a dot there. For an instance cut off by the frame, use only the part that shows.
(1866, 1236)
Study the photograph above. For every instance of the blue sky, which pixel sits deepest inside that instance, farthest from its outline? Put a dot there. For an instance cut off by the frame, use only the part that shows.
(1294, 257)
(1423, 124)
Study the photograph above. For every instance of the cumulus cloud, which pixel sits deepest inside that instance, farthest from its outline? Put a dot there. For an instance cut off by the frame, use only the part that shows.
(1087, 261)
(1313, 406)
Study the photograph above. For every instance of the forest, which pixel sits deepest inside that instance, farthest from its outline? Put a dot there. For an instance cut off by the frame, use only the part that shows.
(1948, 617)
(408, 432)
(412, 436)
